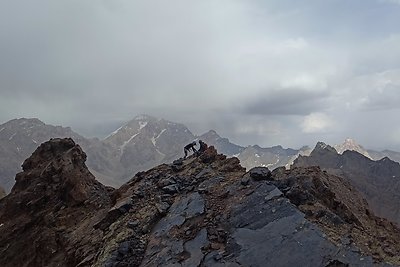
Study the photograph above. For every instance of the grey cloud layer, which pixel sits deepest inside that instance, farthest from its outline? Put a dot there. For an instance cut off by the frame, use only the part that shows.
(257, 71)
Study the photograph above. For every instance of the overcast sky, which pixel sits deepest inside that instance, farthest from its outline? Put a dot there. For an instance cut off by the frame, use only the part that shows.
(259, 72)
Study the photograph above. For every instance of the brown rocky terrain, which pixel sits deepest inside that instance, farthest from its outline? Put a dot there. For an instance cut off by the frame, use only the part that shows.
(48, 217)
(378, 181)
(201, 211)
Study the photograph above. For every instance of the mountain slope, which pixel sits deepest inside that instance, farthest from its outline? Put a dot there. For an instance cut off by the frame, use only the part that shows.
(271, 157)
(378, 181)
(19, 138)
(201, 211)
(142, 143)
(377, 155)
(253, 156)
(145, 142)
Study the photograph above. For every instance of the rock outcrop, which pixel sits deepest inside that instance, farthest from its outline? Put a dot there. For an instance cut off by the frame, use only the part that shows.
(48, 217)
(199, 211)
(20, 137)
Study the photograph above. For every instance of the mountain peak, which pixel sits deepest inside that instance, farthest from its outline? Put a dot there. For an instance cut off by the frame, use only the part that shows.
(23, 122)
(145, 117)
(211, 134)
(321, 146)
(351, 145)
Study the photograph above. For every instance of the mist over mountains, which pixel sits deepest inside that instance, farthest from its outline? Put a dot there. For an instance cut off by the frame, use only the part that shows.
(140, 144)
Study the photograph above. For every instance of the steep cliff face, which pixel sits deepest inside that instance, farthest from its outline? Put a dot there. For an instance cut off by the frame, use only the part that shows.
(48, 217)
(201, 211)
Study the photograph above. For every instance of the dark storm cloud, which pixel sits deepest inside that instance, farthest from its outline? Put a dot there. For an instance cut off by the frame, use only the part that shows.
(286, 102)
(94, 64)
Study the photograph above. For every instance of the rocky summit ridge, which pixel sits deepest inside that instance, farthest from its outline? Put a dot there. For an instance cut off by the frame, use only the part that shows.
(199, 211)
(378, 181)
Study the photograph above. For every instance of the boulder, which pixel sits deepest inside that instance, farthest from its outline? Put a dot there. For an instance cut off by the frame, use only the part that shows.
(260, 173)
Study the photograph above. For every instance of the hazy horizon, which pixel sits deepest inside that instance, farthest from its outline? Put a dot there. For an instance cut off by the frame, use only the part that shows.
(258, 72)
(104, 131)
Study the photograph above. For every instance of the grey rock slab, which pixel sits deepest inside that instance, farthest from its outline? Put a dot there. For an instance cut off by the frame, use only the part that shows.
(260, 173)
(273, 232)
(163, 249)
(193, 247)
(274, 194)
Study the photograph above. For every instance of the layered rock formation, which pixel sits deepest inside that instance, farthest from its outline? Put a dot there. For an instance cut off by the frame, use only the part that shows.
(201, 211)
(378, 181)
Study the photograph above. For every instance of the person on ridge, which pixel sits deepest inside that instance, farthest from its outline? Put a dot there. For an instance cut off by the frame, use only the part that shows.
(203, 147)
(189, 147)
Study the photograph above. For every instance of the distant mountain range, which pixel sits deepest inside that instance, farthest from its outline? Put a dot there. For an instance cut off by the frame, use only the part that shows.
(138, 145)
(378, 181)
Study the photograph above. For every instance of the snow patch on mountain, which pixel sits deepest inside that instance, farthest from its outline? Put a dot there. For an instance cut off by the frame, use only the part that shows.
(12, 136)
(142, 124)
(115, 132)
(154, 139)
(122, 147)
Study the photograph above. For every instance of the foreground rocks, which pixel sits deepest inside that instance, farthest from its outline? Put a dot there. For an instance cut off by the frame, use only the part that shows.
(48, 217)
(201, 211)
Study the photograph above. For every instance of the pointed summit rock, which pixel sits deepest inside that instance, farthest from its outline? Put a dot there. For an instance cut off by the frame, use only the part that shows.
(321, 147)
(52, 207)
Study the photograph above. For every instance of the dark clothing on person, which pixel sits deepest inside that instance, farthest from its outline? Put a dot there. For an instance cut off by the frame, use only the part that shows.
(189, 147)
(203, 146)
